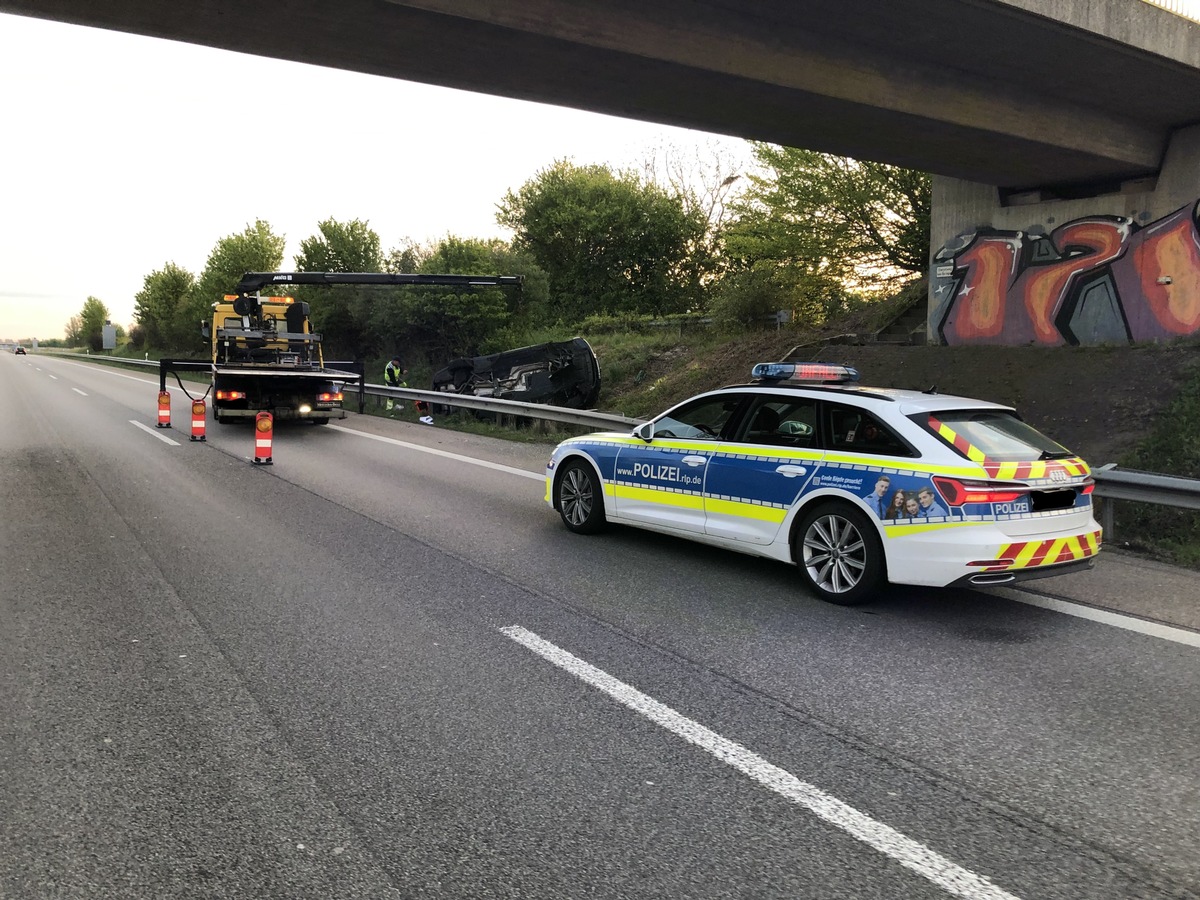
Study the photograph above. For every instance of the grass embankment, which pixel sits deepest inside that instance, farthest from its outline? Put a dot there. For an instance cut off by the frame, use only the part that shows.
(1172, 447)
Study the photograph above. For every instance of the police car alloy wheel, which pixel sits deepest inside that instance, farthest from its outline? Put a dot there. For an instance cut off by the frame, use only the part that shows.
(580, 502)
(839, 554)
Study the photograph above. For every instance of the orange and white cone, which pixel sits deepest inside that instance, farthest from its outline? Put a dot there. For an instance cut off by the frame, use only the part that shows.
(199, 408)
(264, 428)
(164, 409)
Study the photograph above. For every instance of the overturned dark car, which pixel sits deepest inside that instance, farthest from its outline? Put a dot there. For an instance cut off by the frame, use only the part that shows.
(561, 373)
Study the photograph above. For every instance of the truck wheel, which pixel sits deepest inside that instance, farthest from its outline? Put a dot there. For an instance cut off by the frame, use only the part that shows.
(839, 554)
(579, 498)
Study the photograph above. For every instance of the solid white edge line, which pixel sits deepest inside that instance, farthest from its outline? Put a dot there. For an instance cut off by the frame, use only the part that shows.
(79, 392)
(149, 430)
(909, 853)
(499, 467)
(1103, 616)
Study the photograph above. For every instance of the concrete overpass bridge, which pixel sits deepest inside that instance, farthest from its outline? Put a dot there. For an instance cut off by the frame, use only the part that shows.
(1064, 136)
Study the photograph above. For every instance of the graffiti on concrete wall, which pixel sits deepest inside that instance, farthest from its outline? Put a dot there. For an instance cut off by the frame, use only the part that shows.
(1100, 279)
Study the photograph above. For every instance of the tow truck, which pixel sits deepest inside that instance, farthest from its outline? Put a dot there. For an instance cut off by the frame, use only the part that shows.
(265, 357)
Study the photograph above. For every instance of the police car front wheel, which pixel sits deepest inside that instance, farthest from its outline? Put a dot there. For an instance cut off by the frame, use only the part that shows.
(580, 500)
(839, 554)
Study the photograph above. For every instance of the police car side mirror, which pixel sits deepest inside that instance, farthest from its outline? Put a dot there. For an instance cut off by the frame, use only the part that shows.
(645, 431)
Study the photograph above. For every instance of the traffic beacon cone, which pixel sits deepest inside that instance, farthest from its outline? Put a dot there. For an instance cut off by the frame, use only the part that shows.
(199, 407)
(263, 429)
(164, 409)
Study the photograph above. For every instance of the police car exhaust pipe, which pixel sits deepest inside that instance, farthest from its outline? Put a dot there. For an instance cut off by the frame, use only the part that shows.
(998, 578)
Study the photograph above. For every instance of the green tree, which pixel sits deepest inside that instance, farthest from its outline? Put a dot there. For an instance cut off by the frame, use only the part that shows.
(405, 258)
(74, 332)
(340, 313)
(440, 323)
(865, 224)
(341, 247)
(608, 242)
(92, 318)
(157, 308)
(255, 249)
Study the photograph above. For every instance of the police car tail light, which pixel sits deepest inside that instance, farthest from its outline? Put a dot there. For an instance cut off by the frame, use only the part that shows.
(812, 373)
(231, 395)
(1088, 488)
(960, 493)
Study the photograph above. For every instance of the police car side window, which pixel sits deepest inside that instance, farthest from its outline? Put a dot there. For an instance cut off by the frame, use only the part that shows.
(780, 422)
(702, 420)
(856, 430)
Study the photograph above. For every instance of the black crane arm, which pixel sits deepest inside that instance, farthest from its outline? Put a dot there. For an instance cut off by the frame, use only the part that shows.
(256, 281)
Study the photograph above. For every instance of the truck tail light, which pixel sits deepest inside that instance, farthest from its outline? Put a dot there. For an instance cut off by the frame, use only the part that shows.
(231, 395)
(331, 396)
(959, 493)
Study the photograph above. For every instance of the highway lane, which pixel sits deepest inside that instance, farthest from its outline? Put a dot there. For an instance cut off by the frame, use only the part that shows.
(349, 611)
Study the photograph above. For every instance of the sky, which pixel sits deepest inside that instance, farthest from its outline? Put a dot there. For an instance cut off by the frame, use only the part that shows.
(123, 153)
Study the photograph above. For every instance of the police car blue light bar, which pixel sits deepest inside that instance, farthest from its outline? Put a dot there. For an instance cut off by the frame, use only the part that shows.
(812, 373)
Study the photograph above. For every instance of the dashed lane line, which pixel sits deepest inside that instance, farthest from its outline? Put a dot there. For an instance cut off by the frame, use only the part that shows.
(947, 875)
(458, 457)
(149, 430)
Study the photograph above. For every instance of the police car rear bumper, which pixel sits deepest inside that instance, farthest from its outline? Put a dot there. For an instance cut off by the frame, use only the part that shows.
(1012, 576)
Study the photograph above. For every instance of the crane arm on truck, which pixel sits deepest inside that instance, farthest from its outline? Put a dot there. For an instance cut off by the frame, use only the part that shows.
(255, 281)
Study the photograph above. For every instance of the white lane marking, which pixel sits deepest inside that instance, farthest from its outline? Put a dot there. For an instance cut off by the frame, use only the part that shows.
(149, 430)
(1104, 617)
(499, 467)
(55, 377)
(945, 874)
(79, 392)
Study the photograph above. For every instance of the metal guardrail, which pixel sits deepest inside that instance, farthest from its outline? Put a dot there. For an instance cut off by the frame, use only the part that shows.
(1112, 484)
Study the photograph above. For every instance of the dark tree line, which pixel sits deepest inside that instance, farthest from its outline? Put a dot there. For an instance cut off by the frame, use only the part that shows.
(804, 232)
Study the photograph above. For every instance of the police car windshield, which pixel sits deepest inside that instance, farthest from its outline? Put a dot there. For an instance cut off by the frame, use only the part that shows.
(998, 435)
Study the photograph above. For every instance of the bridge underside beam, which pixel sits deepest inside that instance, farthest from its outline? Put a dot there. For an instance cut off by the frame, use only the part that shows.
(979, 91)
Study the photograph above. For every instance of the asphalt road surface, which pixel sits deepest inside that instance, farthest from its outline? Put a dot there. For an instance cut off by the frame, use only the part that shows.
(382, 668)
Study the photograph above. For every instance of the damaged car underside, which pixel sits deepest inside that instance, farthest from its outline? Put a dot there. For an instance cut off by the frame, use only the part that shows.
(559, 373)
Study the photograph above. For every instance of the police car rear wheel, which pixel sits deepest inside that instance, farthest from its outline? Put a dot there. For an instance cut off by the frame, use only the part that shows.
(579, 499)
(839, 554)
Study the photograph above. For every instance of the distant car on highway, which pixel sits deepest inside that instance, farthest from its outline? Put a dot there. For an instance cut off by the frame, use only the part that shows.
(857, 486)
(19, 350)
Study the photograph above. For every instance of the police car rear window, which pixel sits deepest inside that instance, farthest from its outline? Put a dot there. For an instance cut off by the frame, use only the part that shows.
(996, 434)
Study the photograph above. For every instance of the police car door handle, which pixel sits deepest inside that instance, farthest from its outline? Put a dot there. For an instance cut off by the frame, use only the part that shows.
(694, 461)
(791, 471)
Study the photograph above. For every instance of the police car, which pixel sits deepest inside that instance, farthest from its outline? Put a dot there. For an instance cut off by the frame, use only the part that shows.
(857, 486)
